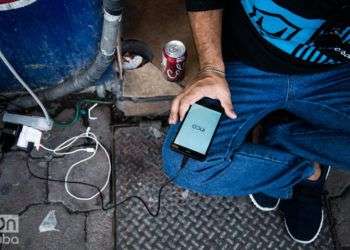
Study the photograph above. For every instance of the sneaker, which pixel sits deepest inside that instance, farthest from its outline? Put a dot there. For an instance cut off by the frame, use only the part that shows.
(264, 202)
(304, 214)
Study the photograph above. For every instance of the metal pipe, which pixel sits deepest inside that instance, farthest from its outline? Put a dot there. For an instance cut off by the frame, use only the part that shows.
(104, 57)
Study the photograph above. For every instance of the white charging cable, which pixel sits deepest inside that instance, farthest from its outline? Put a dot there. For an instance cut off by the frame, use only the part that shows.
(68, 143)
(15, 74)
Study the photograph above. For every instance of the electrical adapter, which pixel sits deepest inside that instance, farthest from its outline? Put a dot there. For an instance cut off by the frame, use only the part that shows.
(29, 135)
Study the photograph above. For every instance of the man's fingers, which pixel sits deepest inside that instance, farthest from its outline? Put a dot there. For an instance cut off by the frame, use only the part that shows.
(196, 91)
(187, 101)
(226, 103)
(174, 111)
(173, 117)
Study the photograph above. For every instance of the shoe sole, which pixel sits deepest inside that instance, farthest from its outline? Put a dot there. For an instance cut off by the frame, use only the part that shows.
(320, 226)
(308, 241)
(265, 209)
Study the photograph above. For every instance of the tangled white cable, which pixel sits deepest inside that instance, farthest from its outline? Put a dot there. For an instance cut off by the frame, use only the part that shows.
(68, 143)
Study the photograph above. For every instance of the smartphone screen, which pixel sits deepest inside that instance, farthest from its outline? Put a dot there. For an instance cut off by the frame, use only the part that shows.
(197, 130)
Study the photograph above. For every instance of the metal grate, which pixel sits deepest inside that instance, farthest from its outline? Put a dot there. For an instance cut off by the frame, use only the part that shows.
(187, 220)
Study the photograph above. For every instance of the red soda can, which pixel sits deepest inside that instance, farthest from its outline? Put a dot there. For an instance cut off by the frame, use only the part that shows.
(173, 61)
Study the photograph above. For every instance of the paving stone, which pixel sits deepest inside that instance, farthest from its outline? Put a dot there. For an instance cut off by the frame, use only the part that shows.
(17, 188)
(147, 82)
(100, 233)
(19, 191)
(93, 171)
(69, 233)
(147, 91)
(142, 108)
(101, 126)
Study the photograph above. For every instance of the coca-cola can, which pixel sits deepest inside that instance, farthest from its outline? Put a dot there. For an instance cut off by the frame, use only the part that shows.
(173, 61)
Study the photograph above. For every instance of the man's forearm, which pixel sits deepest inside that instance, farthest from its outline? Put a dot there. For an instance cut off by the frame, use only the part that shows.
(206, 29)
(206, 21)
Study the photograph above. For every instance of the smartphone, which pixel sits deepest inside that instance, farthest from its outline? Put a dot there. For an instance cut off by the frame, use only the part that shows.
(197, 129)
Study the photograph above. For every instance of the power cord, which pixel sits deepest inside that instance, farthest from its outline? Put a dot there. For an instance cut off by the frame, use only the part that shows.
(79, 112)
(182, 166)
(103, 206)
(60, 151)
(21, 81)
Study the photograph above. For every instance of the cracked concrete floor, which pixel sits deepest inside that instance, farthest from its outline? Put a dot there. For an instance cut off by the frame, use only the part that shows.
(83, 225)
(80, 224)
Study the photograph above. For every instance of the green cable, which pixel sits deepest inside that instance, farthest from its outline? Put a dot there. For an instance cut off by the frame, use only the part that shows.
(78, 112)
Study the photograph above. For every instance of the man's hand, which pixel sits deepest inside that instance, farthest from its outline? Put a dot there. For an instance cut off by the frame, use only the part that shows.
(206, 27)
(206, 84)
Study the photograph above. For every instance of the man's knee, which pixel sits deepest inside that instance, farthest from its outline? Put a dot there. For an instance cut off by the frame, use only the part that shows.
(210, 177)
(192, 174)
(171, 160)
(214, 176)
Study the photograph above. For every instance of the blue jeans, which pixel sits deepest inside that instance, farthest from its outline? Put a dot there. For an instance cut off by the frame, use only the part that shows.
(321, 133)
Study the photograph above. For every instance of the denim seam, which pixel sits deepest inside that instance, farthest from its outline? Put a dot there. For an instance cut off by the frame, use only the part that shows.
(308, 132)
(315, 132)
(326, 106)
(262, 114)
(262, 158)
(228, 153)
(280, 130)
(288, 89)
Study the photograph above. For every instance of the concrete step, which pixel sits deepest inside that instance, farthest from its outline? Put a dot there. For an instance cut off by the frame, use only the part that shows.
(146, 92)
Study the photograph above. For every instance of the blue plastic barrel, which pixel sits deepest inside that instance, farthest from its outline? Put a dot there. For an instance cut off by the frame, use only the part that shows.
(47, 40)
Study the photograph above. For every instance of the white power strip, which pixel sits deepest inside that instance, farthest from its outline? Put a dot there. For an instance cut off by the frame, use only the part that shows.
(18, 119)
(37, 122)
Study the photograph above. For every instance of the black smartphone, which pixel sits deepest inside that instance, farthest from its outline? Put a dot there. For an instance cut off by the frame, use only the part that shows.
(197, 129)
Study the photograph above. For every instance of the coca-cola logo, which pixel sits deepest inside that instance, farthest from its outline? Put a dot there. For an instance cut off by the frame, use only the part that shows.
(173, 74)
(14, 4)
(180, 59)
